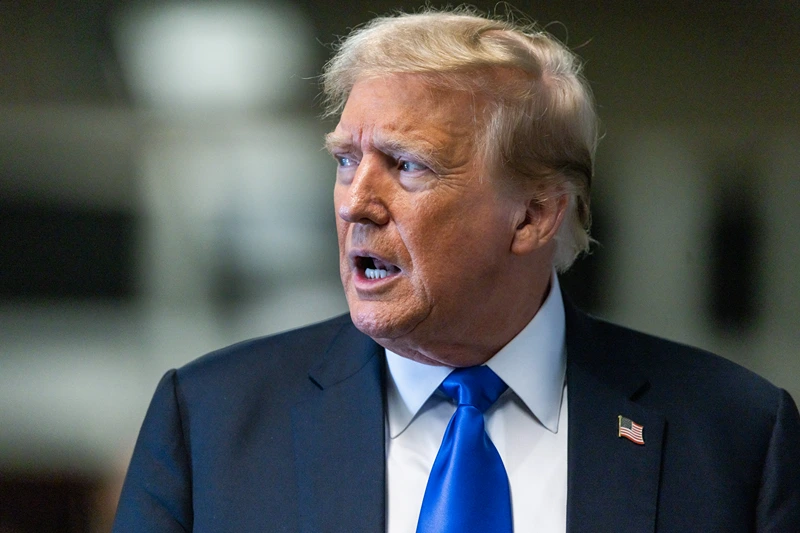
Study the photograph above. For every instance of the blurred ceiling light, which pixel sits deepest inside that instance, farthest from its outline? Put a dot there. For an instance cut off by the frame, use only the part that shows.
(228, 56)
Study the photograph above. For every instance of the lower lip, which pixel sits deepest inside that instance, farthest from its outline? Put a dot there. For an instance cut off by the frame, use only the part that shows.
(362, 282)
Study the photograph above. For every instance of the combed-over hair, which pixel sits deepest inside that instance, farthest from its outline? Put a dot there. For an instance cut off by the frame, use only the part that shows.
(539, 126)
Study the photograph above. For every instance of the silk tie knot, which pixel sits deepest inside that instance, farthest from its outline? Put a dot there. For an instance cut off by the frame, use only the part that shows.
(477, 386)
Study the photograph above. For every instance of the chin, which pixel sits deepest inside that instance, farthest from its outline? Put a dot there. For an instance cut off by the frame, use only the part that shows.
(381, 323)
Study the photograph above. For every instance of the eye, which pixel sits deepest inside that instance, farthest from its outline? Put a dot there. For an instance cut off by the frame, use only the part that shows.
(345, 161)
(411, 166)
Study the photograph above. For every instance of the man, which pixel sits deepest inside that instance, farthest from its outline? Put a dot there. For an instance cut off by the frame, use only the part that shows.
(465, 153)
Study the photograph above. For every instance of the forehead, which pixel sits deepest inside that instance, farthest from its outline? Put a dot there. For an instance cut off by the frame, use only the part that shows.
(405, 107)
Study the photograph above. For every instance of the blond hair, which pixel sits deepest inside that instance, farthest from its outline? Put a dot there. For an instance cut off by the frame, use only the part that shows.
(540, 127)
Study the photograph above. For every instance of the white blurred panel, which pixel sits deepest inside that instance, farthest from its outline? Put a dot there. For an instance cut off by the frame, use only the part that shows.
(205, 55)
(658, 202)
(255, 195)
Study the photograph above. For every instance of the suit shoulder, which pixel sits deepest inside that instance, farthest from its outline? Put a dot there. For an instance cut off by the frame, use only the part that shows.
(288, 354)
(691, 370)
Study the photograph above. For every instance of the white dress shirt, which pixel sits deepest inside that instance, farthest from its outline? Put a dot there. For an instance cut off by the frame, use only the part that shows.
(527, 424)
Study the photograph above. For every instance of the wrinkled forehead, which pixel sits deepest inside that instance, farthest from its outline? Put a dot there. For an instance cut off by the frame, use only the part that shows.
(406, 109)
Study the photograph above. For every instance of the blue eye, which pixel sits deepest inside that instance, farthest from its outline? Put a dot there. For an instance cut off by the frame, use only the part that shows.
(411, 166)
(345, 161)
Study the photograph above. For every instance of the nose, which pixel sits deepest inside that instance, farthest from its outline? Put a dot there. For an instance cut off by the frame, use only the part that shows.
(364, 198)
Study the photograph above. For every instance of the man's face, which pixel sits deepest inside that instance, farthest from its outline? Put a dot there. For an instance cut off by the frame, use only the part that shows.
(424, 234)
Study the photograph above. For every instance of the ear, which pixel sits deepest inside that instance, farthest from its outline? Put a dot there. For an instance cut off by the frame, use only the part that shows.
(541, 221)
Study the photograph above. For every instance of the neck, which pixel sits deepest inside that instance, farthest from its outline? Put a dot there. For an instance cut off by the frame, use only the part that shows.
(472, 343)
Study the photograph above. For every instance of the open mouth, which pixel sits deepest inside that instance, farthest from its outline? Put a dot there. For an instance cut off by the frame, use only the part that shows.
(374, 268)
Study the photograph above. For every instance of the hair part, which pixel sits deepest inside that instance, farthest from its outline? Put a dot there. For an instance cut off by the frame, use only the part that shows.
(538, 128)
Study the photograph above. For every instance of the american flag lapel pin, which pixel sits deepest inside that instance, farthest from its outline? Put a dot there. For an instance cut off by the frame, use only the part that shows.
(630, 430)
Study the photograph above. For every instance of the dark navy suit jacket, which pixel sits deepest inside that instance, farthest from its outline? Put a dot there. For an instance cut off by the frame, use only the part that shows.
(286, 433)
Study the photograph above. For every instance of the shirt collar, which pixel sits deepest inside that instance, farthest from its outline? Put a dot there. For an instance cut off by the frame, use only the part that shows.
(533, 365)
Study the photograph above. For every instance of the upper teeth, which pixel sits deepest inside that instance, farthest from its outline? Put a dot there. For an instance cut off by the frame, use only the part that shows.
(375, 273)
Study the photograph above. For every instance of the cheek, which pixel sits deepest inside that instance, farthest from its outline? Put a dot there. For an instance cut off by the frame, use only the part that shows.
(341, 230)
(336, 204)
(466, 249)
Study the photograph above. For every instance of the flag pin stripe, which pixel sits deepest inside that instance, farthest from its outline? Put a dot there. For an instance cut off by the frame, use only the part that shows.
(630, 430)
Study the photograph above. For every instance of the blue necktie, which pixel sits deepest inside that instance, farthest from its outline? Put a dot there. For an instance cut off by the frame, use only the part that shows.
(468, 487)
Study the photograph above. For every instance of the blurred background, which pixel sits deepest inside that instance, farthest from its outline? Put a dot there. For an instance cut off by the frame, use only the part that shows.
(163, 192)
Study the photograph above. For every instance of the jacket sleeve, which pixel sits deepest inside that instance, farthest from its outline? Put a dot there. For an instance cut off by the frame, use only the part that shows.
(157, 493)
(778, 507)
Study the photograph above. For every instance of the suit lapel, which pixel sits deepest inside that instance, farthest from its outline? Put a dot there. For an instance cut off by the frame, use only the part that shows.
(343, 420)
(612, 482)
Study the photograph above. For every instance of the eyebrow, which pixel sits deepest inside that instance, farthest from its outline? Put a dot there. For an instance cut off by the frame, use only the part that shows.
(335, 142)
(419, 150)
